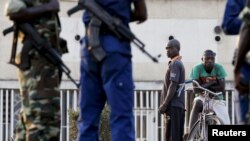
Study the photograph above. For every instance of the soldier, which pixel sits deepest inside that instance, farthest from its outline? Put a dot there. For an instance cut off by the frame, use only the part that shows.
(231, 25)
(110, 79)
(39, 78)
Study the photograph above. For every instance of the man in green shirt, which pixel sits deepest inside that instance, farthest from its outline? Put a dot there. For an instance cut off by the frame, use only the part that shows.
(210, 75)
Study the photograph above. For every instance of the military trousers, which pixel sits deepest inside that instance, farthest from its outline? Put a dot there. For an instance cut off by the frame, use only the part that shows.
(40, 102)
(107, 81)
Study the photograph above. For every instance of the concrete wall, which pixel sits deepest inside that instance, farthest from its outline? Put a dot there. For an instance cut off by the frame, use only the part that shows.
(190, 21)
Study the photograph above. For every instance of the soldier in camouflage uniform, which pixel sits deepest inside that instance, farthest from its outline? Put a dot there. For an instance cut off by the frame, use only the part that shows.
(39, 79)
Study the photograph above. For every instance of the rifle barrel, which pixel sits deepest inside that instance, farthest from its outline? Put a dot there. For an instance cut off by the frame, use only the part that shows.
(49, 53)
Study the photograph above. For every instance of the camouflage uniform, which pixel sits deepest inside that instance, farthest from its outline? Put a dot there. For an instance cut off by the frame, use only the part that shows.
(39, 85)
(40, 111)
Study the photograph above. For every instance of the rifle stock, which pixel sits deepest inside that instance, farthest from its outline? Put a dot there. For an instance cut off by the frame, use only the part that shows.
(114, 24)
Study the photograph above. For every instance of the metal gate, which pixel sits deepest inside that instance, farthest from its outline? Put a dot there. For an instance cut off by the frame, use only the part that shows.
(148, 123)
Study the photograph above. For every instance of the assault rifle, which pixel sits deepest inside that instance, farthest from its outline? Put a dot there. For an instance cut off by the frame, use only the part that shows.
(114, 24)
(42, 46)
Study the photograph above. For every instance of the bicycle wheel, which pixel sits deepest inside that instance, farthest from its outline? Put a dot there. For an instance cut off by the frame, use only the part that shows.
(196, 131)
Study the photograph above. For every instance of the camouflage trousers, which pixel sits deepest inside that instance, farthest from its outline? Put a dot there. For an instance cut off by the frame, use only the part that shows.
(40, 102)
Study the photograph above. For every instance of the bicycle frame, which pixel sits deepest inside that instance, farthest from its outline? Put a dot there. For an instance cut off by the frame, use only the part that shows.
(206, 112)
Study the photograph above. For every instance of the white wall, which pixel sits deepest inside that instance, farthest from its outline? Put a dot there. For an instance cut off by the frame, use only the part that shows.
(195, 36)
(190, 21)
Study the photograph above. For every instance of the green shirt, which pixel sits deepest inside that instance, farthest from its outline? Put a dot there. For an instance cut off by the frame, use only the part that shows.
(199, 73)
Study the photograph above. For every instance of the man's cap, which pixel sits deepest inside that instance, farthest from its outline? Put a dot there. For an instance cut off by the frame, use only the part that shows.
(173, 43)
(209, 52)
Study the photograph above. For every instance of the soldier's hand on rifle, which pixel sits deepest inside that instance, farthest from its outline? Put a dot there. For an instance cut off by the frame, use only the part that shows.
(31, 13)
(241, 89)
(53, 6)
(139, 13)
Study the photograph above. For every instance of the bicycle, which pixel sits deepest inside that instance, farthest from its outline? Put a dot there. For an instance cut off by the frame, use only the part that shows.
(207, 117)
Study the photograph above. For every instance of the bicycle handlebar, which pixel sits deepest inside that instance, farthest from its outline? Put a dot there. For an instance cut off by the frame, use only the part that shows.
(202, 88)
(197, 86)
